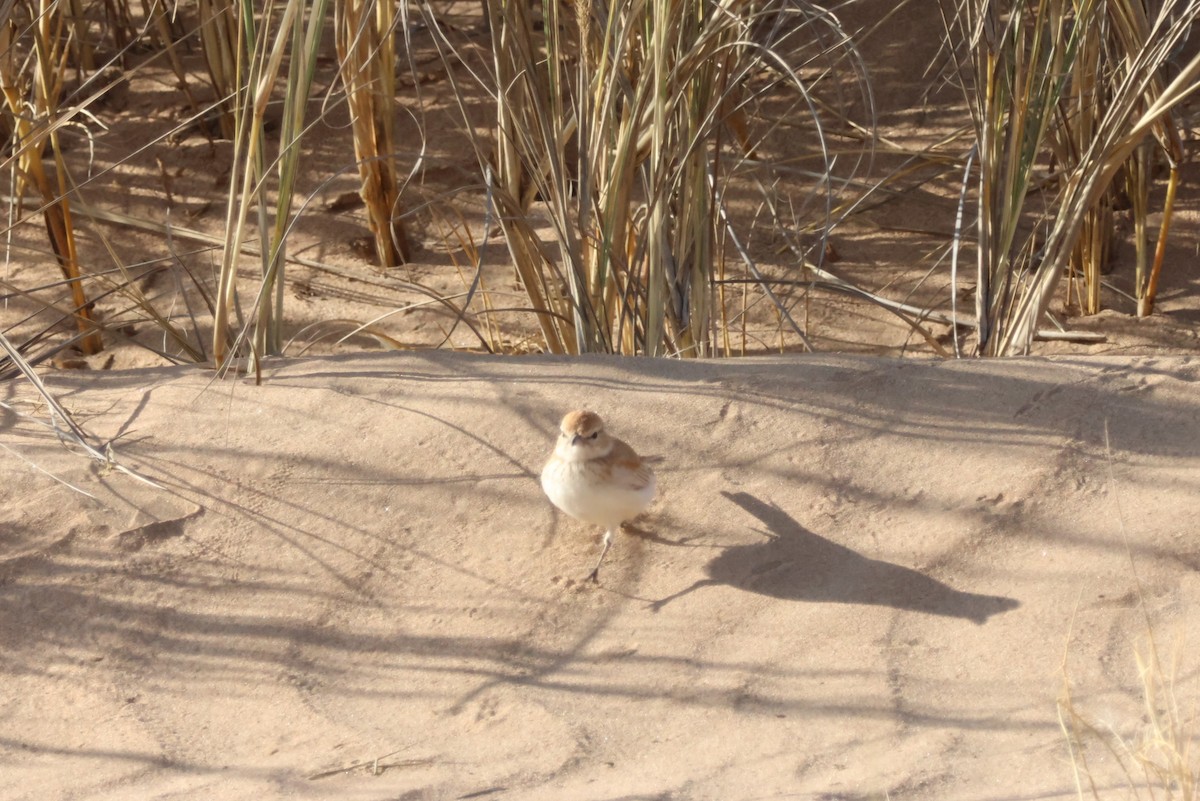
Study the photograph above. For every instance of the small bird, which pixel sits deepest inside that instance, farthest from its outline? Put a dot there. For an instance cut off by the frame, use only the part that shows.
(596, 478)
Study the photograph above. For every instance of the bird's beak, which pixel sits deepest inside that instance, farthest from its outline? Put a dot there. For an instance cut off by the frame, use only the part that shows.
(575, 440)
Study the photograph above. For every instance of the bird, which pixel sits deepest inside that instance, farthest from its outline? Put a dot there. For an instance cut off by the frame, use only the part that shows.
(596, 478)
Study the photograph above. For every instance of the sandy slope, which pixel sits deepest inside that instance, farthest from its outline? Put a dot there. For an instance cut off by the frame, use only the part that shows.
(860, 579)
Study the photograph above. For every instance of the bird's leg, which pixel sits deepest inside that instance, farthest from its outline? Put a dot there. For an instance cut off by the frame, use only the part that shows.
(595, 574)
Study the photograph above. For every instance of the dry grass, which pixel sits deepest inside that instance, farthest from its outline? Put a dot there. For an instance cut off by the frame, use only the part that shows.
(639, 149)
(1156, 758)
(1084, 82)
(1159, 760)
(644, 160)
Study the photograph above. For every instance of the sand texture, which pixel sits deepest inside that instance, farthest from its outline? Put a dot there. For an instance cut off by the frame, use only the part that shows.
(861, 580)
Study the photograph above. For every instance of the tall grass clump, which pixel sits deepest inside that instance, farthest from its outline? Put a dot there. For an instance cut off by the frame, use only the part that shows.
(35, 50)
(55, 69)
(282, 45)
(1083, 80)
(262, 47)
(262, 61)
(637, 146)
(1105, 55)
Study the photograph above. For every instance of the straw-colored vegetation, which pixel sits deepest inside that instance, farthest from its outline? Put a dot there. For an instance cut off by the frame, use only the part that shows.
(638, 158)
(1065, 98)
(664, 174)
(623, 135)
(1158, 760)
(1156, 756)
(32, 83)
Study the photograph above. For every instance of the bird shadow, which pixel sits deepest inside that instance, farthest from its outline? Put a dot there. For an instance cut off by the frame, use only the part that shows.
(797, 565)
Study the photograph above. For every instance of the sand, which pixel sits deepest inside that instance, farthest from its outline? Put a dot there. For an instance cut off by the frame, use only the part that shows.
(863, 578)
(867, 576)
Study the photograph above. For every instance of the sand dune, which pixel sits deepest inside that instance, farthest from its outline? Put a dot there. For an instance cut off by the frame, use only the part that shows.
(861, 580)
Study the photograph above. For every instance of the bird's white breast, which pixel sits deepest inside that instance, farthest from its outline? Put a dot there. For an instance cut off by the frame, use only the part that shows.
(583, 491)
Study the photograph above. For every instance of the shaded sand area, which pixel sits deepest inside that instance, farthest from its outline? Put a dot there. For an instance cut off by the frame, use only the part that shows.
(861, 580)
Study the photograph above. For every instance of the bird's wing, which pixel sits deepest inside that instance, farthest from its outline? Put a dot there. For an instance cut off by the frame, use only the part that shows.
(628, 470)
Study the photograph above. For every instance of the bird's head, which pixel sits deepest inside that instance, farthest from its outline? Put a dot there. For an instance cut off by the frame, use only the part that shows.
(582, 437)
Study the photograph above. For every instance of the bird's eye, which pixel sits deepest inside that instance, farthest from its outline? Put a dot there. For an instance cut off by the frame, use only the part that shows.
(595, 434)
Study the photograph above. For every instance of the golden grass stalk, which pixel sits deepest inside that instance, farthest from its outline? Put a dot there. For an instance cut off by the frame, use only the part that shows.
(1132, 118)
(366, 45)
(160, 28)
(221, 45)
(1134, 31)
(79, 41)
(1147, 289)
